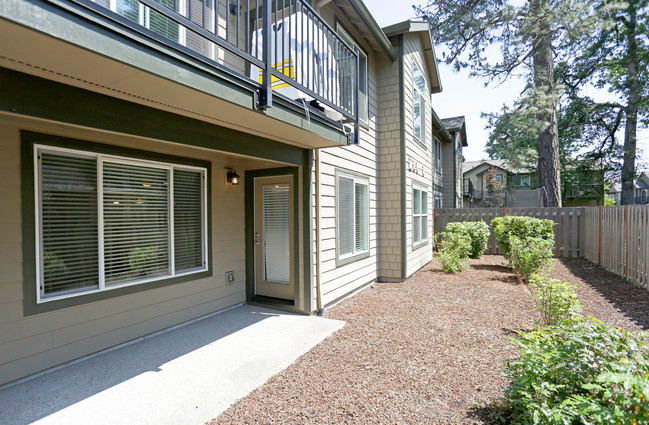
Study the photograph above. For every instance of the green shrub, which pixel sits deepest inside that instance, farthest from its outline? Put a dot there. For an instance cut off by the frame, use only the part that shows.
(581, 372)
(453, 249)
(556, 300)
(522, 227)
(478, 233)
(143, 260)
(530, 255)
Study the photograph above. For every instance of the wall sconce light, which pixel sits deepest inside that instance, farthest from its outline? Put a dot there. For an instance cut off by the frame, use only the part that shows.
(231, 177)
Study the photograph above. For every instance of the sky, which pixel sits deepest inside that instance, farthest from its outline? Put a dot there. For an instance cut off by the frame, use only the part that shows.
(462, 95)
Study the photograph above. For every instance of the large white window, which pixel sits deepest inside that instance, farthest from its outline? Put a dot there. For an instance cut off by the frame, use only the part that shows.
(106, 221)
(352, 216)
(419, 104)
(419, 215)
(347, 92)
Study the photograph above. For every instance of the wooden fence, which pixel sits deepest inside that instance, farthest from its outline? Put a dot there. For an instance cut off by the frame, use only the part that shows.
(617, 238)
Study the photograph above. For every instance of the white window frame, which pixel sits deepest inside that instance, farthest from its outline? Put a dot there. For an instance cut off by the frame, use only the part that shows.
(364, 113)
(419, 96)
(519, 179)
(419, 241)
(101, 159)
(437, 148)
(354, 255)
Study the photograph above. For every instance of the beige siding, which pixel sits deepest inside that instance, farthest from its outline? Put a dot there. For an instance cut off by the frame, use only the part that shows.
(29, 344)
(419, 157)
(361, 160)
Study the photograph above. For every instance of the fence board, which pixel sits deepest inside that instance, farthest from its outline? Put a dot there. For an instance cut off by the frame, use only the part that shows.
(617, 238)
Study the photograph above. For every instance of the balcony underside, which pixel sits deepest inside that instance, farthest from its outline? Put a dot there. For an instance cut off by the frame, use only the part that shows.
(86, 51)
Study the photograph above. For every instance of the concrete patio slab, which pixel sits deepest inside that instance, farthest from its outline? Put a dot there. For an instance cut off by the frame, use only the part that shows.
(184, 376)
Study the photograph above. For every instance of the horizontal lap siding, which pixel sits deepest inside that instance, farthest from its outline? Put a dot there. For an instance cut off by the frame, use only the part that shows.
(29, 344)
(362, 159)
(422, 155)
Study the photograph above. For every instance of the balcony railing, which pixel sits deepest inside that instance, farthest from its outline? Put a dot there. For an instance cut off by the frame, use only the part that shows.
(283, 46)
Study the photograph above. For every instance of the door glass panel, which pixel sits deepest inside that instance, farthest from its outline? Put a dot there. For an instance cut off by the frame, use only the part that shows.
(277, 233)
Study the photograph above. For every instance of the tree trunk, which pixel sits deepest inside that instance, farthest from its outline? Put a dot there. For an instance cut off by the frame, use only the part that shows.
(628, 166)
(548, 139)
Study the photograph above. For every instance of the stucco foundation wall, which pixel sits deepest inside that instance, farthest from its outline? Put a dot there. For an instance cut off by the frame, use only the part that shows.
(29, 344)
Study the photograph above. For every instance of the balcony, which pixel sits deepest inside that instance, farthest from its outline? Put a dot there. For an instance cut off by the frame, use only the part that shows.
(271, 68)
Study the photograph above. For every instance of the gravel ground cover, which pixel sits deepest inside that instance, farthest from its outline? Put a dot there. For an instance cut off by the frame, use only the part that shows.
(424, 350)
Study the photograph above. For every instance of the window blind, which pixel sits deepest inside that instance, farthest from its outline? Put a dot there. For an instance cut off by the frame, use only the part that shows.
(361, 217)
(277, 233)
(345, 215)
(136, 222)
(68, 223)
(188, 218)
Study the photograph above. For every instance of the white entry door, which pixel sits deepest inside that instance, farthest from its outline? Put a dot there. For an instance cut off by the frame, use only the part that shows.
(274, 237)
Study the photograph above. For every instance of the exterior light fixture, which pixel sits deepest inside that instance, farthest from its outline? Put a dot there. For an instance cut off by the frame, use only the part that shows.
(231, 177)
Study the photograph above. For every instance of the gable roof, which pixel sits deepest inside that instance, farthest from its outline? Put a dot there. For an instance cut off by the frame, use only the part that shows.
(423, 28)
(363, 21)
(457, 124)
(498, 163)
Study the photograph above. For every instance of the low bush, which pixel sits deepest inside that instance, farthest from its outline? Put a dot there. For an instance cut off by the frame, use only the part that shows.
(453, 248)
(580, 372)
(521, 227)
(530, 256)
(478, 233)
(556, 300)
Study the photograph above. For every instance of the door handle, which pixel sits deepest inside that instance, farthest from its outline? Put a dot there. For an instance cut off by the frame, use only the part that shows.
(256, 242)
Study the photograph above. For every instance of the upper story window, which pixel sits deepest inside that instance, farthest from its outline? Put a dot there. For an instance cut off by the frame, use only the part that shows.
(521, 180)
(419, 104)
(437, 154)
(352, 216)
(106, 221)
(346, 80)
(419, 215)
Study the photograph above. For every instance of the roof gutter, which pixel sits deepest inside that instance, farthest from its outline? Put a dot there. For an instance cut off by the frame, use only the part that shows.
(374, 28)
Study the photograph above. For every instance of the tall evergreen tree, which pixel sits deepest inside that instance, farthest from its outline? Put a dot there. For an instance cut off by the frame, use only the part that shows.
(532, 38)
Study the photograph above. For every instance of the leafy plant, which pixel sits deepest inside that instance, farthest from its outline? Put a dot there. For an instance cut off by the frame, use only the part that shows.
(580, 372)
(556, 300)
(522, 227)
(453, 250)
(530, 256)
(478, 233)
(143, 260)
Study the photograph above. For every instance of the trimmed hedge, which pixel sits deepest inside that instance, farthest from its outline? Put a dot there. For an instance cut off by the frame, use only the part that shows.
(521, 227)
(476, 231)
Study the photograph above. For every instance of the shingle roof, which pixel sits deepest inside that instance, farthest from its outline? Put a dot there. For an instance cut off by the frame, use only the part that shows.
(500, 163)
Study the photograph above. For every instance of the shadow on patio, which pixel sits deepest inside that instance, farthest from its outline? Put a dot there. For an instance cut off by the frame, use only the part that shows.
(187, 375)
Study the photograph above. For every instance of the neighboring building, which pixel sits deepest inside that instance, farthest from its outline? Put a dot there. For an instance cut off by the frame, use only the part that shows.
(521, 187)
(640, 190)
(151, 175)
(453, 161)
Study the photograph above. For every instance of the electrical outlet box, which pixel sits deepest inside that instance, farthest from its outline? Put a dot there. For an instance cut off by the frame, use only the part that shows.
(229, 277)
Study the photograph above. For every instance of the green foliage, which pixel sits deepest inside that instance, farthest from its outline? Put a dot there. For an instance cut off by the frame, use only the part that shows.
(530, 255)
(556, 300)
(609, 202)
(53, 266)
(453, 248)
(143, 260)
(477, 232)
(522, 227)
(580, 372)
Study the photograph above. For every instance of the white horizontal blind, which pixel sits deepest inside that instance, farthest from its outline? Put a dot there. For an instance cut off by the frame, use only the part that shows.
(69, 226)
(188, 219)
(345, 216)
(361, 219)
(424, 215)
(277, 233)
(416, 218)
(136, 222)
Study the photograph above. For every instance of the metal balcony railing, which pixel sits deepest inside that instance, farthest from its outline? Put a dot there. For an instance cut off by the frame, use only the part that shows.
(284, 46)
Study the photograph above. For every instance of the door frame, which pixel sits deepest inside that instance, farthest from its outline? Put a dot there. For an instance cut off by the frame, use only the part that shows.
(249, 181)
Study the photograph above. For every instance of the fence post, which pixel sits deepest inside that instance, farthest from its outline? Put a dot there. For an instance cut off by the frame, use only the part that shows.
(626, 241)
(599, 238)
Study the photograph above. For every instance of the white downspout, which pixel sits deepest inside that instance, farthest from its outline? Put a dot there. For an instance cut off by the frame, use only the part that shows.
(318, 290)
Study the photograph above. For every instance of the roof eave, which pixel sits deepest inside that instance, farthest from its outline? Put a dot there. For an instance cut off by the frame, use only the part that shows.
(374, 28)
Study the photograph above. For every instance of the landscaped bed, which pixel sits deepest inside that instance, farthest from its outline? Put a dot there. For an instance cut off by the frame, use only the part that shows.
(425, 350)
